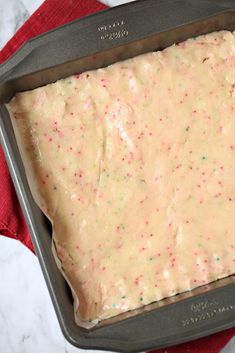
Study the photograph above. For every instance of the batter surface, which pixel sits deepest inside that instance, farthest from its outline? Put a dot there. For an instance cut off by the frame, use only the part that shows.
(134, 165)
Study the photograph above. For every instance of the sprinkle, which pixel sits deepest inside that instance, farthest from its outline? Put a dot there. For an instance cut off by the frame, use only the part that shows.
(205, 59)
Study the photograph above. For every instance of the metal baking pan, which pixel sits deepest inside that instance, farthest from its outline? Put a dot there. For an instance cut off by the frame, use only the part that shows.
(90, 43)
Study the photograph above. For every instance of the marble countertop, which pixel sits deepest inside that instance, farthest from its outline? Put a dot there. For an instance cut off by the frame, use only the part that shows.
(28, 323)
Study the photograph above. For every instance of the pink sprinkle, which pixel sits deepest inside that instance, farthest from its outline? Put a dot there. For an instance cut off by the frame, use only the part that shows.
(137, 281)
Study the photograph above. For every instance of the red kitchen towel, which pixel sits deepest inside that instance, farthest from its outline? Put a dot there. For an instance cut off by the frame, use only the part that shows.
(51, 14)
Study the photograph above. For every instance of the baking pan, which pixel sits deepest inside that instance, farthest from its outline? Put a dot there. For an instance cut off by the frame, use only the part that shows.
(89, 43)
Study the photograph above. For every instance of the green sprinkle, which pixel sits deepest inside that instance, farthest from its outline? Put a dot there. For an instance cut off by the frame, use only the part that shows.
(150, 259)
(69, 81)
(123, 297)
(114, 305)
(203, 157)
(71, 257)
(187, 128)
(141, 299)
(217, 258)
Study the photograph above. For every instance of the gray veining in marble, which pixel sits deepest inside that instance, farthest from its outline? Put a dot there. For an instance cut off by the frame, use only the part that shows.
(13, 14)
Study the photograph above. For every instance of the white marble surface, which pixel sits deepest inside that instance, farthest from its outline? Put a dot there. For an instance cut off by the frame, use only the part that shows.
(27, 319)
